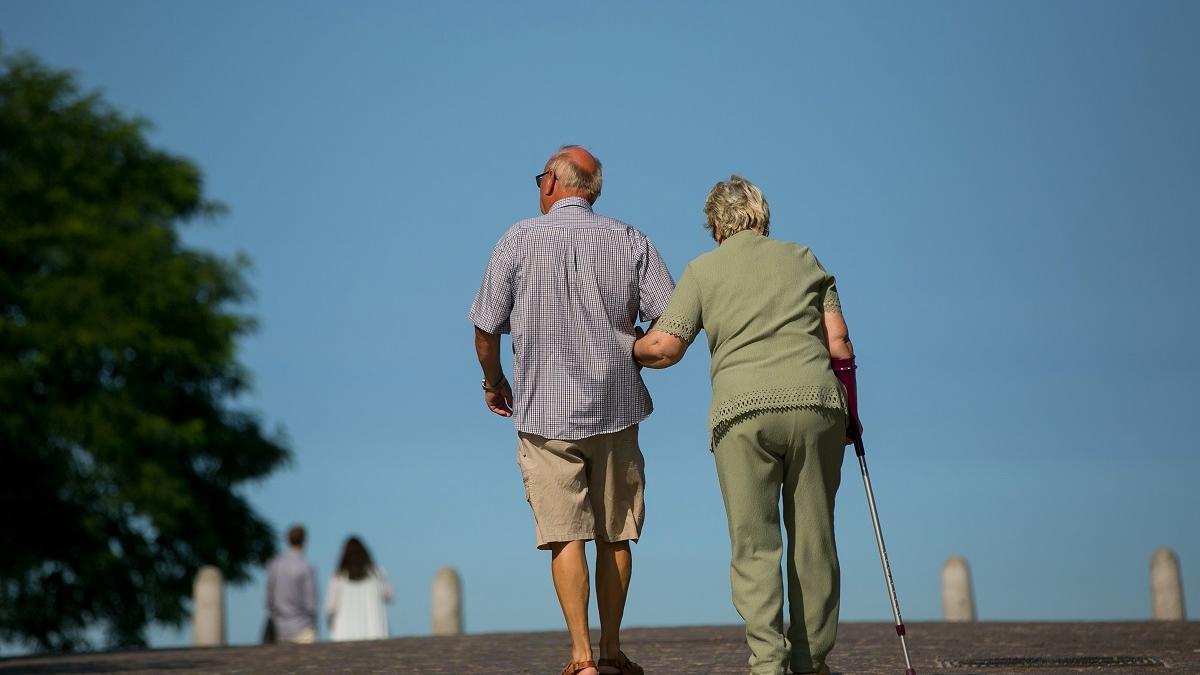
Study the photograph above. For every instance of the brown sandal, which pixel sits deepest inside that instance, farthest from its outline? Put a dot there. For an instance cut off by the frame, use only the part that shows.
(576, 666)
(623, 664)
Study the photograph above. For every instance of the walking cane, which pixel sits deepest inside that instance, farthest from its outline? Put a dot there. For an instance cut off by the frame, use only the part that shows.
(887, 568)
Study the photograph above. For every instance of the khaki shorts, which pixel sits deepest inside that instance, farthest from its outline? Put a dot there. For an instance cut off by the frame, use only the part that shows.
(585, 489)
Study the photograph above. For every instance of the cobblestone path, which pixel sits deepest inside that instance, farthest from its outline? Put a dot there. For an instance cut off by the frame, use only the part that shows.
(863, 649)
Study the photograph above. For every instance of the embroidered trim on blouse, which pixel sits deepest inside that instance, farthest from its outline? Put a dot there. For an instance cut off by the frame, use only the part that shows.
(679, 327)
(729, 425)
(736, 409)
(833, 303)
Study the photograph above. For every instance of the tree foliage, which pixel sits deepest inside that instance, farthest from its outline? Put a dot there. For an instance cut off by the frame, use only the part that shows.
(122, 454)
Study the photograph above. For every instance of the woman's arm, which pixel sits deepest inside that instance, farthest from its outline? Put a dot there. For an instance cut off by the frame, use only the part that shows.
(385, 588)
(332, 591)
(837, 336)
(658, 349)
(841, 357)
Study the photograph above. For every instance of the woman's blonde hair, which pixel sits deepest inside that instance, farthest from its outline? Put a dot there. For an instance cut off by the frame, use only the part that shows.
(735, 205)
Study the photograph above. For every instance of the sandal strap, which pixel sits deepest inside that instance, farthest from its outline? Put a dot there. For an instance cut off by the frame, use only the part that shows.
(576, 666)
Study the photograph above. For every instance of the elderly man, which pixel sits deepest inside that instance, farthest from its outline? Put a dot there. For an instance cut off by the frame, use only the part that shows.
(569, 285)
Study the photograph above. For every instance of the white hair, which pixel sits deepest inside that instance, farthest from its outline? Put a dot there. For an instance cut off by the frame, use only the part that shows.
(568, 173)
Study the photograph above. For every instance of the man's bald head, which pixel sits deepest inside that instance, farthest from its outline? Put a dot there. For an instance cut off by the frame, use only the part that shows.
(580, 157)
(577, 171)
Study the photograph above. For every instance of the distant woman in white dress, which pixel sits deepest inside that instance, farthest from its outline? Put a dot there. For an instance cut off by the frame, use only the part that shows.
(354, 602)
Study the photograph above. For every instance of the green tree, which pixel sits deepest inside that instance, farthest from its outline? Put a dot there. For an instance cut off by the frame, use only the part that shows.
(123, 456)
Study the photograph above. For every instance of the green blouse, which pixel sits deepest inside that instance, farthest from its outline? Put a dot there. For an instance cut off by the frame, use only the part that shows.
(760, 301)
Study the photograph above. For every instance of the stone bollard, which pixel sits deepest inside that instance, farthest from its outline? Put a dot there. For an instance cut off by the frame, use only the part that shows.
(1166, 586)
(208, 608)
(958, 600)
(447, 602)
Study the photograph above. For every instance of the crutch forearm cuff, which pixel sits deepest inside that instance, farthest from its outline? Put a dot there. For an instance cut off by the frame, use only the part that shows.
(844, 369)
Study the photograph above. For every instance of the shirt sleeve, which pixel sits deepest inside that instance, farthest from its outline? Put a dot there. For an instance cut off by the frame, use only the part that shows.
(384, 587)
(494, 301)
(310, 595)
(829, 299)
(654, 283)
(683, 317)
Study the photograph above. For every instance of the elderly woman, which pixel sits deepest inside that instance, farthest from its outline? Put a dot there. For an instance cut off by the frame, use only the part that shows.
(783, 387)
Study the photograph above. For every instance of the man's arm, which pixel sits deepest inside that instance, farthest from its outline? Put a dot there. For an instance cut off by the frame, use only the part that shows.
(654, 284)
(310, 595)
(270, 589)
(498, 394)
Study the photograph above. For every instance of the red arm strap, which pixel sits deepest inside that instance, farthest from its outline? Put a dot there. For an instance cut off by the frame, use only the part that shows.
(844, 370)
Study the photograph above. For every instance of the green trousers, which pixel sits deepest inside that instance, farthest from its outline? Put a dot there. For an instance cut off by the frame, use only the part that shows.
(797, 454)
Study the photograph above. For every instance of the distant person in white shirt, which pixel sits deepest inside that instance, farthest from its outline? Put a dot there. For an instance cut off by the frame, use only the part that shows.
(292, 592)
(355, 598)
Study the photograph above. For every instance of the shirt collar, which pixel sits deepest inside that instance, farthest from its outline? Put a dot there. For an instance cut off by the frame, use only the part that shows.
(571, 201)
(736, 235)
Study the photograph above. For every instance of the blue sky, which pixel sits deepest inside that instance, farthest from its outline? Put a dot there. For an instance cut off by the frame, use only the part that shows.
(1007, 192)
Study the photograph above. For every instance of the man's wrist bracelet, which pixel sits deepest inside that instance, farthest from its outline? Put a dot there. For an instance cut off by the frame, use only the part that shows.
(493, 388)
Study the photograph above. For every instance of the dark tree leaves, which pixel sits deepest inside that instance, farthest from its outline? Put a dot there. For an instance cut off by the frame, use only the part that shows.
(121, 454)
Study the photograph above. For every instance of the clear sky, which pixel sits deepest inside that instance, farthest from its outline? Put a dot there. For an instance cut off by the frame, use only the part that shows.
(1007, 192)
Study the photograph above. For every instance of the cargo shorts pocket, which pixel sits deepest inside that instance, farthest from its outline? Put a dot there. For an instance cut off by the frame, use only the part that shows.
(525, 479)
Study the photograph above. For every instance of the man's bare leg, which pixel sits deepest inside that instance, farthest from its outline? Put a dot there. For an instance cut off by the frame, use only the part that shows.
(614, 566)
(568, 566)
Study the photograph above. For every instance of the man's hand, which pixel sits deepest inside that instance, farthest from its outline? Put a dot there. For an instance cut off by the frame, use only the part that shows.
(638, 334)
(500, 401)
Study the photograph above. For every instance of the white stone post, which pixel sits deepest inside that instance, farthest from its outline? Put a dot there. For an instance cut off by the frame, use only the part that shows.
(1166, 586)
(447, 602)
(958, 599)
(208, 608)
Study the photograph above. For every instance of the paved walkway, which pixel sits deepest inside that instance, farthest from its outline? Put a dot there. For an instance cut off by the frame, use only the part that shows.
(863, 649)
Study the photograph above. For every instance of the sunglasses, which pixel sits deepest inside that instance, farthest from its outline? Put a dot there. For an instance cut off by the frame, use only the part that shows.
(538, 178)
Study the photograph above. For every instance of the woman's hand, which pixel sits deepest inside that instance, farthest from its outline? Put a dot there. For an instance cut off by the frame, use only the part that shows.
(850, 433)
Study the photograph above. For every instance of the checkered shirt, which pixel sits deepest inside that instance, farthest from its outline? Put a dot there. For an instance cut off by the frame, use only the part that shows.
(569, 286)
